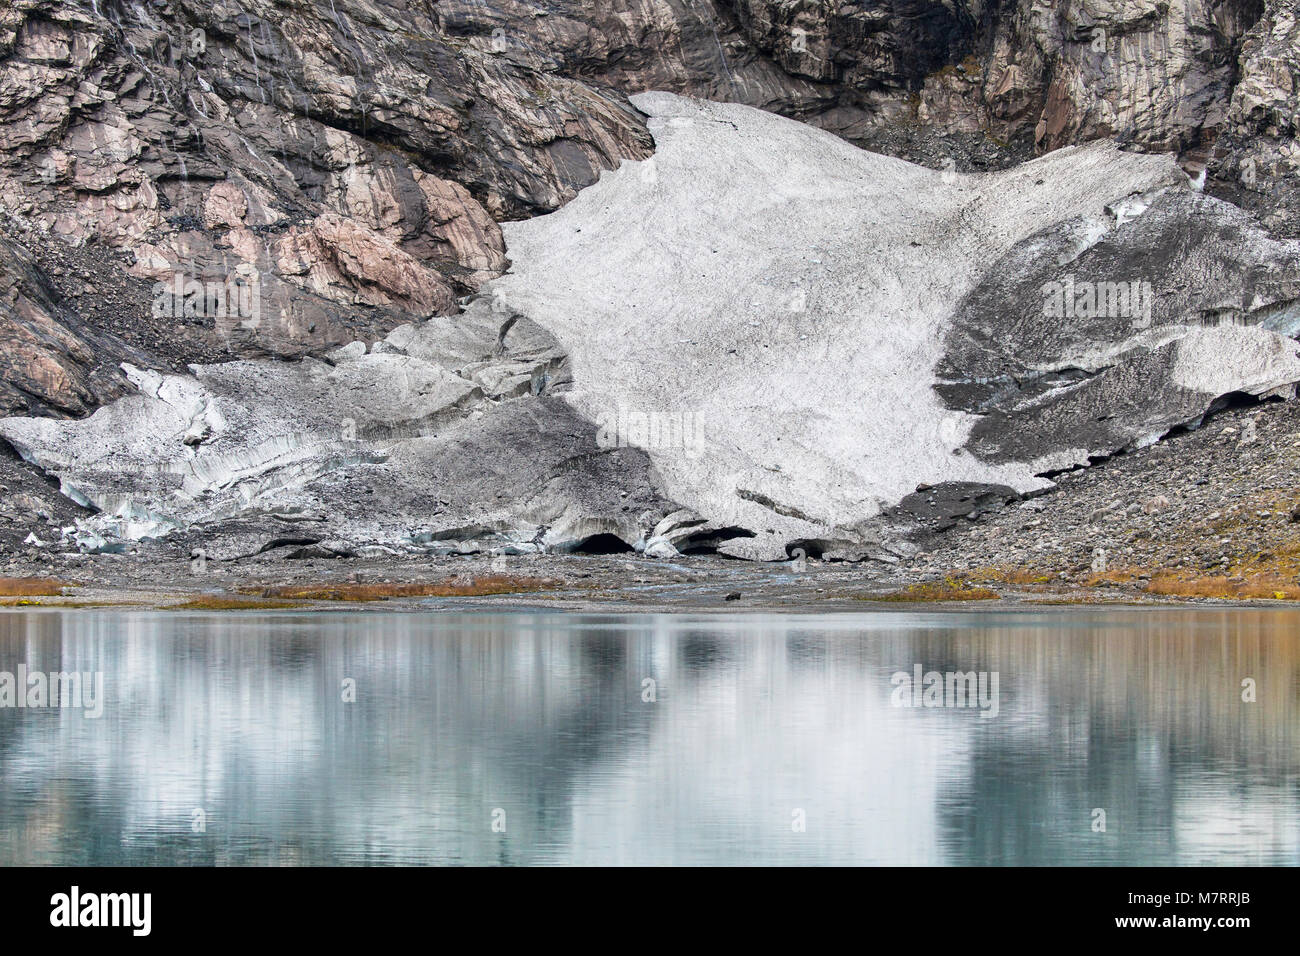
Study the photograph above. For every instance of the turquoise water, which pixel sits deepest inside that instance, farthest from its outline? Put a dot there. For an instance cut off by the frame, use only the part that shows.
(654, 739)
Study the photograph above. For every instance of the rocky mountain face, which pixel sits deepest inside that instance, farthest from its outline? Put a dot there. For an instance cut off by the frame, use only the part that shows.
(186, 182)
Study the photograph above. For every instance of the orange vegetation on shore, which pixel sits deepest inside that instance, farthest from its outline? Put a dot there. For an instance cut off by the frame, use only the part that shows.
(31, 587)
(1240, 587)
(220, 603)
(949, 590)
(380, 591)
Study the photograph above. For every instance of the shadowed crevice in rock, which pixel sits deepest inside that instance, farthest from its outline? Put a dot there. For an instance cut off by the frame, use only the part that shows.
(602, 543)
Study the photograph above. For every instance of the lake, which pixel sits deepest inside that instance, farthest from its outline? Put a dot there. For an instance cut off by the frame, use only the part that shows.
(1039, 736)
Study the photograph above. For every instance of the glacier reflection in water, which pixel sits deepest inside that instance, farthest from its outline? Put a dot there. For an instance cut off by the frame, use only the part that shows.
(538, 721)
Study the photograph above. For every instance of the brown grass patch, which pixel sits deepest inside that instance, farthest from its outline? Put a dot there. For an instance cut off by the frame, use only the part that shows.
(382, 591)
(36, 602)
(1117, 576)
(1253, 587)
(218, 603)
(1018, 577)
(936, 591)
(31, 587)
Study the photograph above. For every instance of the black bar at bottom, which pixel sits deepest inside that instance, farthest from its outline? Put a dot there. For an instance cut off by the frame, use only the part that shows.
(336, 906)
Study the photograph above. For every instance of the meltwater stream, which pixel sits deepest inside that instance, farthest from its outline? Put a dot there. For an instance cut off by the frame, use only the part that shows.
(1115, 736)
